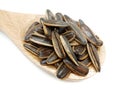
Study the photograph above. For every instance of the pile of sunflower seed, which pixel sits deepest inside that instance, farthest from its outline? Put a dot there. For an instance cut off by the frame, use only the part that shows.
(63, 43)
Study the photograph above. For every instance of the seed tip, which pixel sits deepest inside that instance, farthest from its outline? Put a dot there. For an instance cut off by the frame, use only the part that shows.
(81, 21)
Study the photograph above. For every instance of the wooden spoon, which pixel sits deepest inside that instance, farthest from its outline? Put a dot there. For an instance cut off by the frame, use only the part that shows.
(14, 25)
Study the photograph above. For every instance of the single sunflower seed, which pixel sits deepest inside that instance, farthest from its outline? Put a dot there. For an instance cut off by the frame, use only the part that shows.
(57, 45)
(68, 49)
(89, 34)
(79, 33)
(63, 71)
(41, 41)
(94, 57)
(81, 70)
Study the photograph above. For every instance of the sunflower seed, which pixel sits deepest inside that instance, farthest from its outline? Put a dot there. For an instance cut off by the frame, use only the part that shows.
(62, 71)
(81, 70)
(38, 34)
(94, 56)
(34, 24)
(89, 34)
(79, 33)
(68, 19)
(57, 45)
(31, 48)
(68, 49)
(39, 28)
(59, 16)
(47, 31)
(41, 41)
(55, 23)
(30, 31)
(49, 15)
(99, 40)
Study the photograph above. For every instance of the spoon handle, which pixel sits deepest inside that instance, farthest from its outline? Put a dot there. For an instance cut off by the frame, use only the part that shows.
(12, 21)
(13, 24)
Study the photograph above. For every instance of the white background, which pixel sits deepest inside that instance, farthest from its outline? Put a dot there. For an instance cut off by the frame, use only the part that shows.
(103, 16)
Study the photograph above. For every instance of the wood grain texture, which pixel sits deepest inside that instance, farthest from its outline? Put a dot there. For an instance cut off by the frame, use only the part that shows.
(14, 25)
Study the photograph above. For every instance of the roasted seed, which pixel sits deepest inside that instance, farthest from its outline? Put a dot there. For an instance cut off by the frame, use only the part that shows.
(89, 34)
(68, 49)
(94, 57)
(39, 28)
(49, 15)
(42, 20)
(62, 71)
(34, 24)
(59, 16)
(31, 48)
(47, 31)
(55, 23)
(30, 31)
(41, 41)
(57, 45)
(81, 70)
(99, 40)
(38, 34)
(68, 19)
(79, 33)
(35, 44)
